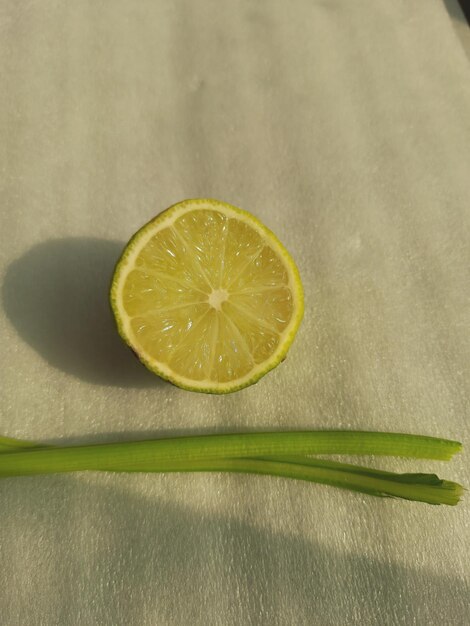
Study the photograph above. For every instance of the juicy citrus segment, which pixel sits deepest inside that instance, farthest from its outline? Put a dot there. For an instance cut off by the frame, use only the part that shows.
(207, 297)
(205, 233)
(259, 338)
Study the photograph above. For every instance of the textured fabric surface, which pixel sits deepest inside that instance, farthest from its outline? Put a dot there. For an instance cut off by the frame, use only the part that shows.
(345, 127)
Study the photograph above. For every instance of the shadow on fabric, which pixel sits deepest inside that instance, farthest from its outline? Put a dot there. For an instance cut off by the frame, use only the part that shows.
(56, 296)
(458, 10)
(107, 555)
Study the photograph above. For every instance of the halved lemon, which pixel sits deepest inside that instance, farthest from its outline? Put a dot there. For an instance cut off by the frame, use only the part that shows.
(207, 297)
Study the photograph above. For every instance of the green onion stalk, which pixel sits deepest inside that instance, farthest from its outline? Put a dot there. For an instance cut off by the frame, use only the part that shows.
(282, 454)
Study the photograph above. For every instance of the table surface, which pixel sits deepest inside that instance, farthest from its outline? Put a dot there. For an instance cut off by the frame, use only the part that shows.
(345, 127)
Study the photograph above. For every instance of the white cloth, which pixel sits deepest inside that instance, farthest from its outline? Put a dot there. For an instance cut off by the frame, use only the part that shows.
(345, 127)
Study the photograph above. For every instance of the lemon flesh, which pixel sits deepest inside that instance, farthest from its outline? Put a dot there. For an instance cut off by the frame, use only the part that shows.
(207, 297)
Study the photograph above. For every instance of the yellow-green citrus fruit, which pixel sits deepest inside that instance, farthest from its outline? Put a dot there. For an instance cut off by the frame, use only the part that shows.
(207, 297)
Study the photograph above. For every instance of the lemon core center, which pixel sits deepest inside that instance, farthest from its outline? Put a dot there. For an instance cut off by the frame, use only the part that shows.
(217, 297)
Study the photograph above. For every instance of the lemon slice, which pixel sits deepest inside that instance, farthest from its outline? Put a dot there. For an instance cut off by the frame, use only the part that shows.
(207, 297)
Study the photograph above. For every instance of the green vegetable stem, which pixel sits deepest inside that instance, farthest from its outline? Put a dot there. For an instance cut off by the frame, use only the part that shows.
(282, 454)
